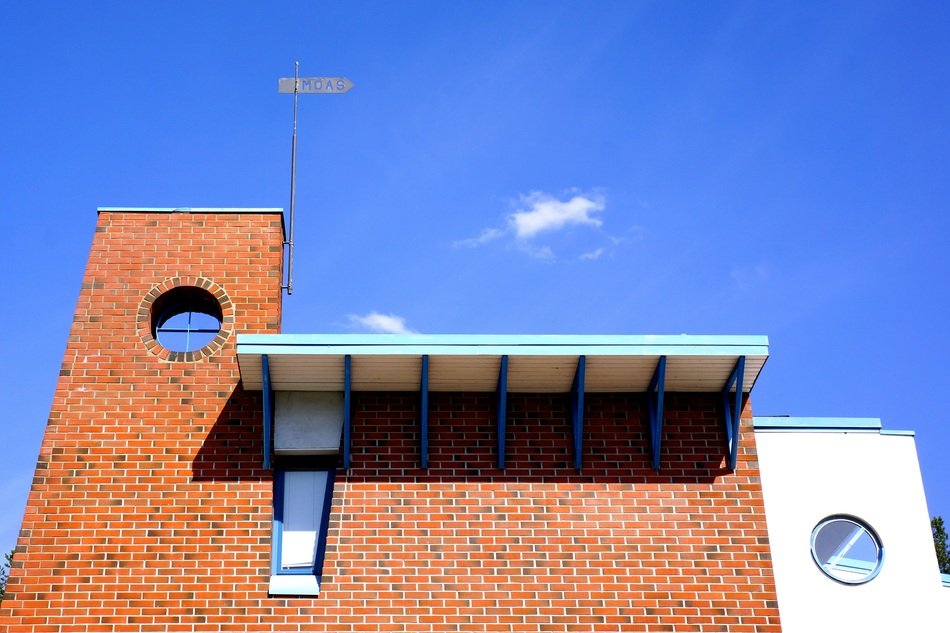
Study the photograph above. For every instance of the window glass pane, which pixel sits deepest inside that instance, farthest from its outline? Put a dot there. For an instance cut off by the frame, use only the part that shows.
(304, 493)
(863, 549)
(187, 331)
(832, 538)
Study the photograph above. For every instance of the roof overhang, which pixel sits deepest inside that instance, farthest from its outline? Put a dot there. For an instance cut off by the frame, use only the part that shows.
(536, 363)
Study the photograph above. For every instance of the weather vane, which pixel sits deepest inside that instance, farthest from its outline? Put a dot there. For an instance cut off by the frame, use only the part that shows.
(303, 85)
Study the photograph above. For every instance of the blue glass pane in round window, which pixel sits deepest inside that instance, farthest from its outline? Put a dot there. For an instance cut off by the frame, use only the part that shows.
(187, 331)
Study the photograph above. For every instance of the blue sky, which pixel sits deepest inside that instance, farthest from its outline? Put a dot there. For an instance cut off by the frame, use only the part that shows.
(534, 167)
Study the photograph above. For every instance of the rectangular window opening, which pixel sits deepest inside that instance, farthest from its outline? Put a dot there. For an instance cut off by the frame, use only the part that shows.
(302, 500)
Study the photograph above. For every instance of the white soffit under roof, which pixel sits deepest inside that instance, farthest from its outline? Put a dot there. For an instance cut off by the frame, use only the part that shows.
(536, 363)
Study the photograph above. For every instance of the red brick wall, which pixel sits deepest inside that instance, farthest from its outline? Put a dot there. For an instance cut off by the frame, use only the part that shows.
(539, 547)
(150, 510)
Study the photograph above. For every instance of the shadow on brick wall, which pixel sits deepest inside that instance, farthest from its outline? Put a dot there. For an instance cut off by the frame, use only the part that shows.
(233, 449)
(463, 441)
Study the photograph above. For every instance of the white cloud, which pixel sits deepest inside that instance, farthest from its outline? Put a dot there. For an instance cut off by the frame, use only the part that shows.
(544, 212)
(484, 237)
(381, 323)
(539, 212)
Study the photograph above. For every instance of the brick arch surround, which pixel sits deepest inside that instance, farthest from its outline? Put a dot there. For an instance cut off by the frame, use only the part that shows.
(144, 318)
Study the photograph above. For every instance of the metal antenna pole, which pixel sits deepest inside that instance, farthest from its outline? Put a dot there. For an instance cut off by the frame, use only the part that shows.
(307, 85)
(293, 187)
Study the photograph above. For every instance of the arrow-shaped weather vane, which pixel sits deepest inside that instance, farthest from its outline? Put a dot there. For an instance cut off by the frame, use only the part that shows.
(314, 85)
(303, 85)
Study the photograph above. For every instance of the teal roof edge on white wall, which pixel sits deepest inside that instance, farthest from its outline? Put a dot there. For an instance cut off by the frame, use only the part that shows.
(826, 424)
(470, 362)
(832, 424)
(785, 422)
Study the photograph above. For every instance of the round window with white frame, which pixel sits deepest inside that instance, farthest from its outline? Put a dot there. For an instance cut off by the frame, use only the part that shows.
(847, 549)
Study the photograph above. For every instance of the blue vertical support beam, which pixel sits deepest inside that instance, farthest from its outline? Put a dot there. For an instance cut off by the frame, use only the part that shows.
(577, 406)
(268, 394)
(655, 406)
(733, 410)
(424, 414)
(347, 387)
(502, 396)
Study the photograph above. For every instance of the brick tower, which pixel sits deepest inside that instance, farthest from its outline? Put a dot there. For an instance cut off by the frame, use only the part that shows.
(141, 513)
(507, 499)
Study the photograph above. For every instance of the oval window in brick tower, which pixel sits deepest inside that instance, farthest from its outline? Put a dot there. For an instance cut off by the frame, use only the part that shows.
(186, 322)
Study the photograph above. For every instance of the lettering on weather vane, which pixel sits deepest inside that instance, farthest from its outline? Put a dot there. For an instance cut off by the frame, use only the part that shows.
(298, 85)
(314, 85)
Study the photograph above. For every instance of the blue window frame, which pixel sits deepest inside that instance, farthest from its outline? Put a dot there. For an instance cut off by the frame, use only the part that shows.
(302, 500)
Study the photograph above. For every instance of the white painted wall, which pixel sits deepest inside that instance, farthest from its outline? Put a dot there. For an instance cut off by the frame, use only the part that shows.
(807, 476)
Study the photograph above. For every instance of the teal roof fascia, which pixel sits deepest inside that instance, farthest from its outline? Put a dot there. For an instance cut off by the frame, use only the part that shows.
(487, 344)
(786, 423)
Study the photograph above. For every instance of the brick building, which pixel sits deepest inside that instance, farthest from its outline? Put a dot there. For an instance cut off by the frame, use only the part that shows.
(201, 471)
